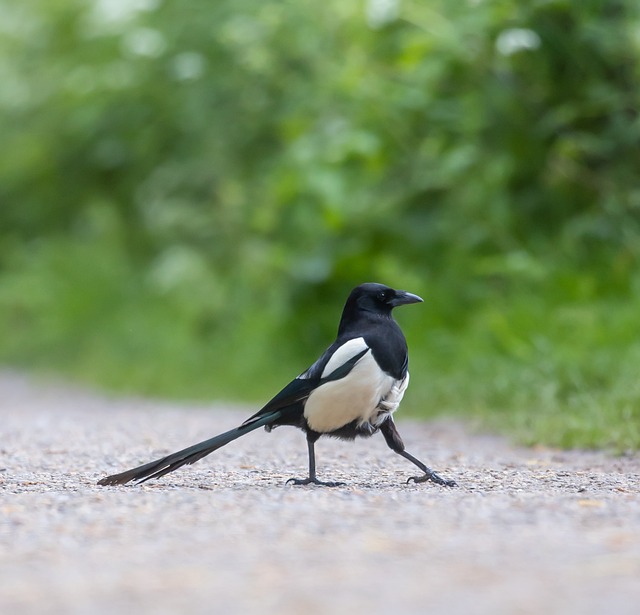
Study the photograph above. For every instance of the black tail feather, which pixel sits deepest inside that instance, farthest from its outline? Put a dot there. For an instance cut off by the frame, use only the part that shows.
(187, 456)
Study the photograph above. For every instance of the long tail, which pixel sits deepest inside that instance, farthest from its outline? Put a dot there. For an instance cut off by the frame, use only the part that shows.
(160, 467)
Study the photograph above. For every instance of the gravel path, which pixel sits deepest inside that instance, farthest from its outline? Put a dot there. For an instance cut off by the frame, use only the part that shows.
(527, 532)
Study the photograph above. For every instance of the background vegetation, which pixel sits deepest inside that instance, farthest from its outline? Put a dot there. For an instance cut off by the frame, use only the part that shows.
(189, 191)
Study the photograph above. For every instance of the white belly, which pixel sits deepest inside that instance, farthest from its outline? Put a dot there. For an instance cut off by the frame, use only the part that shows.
(360, 396)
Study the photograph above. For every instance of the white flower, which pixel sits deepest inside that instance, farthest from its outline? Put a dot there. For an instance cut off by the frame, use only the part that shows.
(517, 39)
(382, 12)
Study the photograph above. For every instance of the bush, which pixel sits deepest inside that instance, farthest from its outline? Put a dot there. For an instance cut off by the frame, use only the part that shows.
(186, 189)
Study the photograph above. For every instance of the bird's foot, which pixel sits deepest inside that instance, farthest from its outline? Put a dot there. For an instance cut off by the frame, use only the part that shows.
(313, 481)
(434, 478)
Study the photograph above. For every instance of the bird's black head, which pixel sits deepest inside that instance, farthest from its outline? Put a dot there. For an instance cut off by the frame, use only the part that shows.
(377, 298)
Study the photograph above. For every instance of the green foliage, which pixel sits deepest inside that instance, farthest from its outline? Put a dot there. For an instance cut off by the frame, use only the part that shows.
(184, 188)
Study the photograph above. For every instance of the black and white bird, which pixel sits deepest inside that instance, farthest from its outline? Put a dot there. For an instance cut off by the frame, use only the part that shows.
(352, 390)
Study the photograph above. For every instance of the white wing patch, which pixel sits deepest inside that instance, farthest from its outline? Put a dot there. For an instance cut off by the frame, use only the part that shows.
(347, 351)
(366, 394)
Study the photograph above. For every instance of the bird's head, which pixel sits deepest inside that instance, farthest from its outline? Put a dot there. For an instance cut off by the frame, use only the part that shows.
(378, 298)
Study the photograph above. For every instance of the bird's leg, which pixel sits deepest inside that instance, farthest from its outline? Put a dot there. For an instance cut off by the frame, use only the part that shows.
(429, 474)
(312, 479)
(395, 443)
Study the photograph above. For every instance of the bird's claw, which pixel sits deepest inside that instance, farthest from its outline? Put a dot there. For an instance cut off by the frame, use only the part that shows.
(434, 478)
(313, 481)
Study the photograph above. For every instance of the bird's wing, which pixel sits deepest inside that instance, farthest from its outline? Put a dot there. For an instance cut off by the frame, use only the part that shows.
(300, 388)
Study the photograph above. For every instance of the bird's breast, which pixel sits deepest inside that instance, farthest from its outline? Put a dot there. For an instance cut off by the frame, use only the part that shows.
(366, 394)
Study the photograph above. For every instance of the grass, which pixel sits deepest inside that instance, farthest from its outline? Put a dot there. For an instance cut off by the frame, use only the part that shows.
(551, 360)
(543, 371)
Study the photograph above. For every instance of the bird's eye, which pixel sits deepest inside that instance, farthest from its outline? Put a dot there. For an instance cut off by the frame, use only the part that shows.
(383, 295)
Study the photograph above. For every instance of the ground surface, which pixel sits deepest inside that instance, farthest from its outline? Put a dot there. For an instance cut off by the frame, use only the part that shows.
(527, 531)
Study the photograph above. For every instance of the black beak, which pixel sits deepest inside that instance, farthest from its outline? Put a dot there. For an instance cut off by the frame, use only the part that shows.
(403, 298)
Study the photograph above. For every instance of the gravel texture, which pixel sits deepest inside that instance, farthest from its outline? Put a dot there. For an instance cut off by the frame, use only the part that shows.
(527, 531)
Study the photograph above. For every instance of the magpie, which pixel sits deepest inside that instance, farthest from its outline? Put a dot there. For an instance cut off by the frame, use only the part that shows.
(351, 391)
